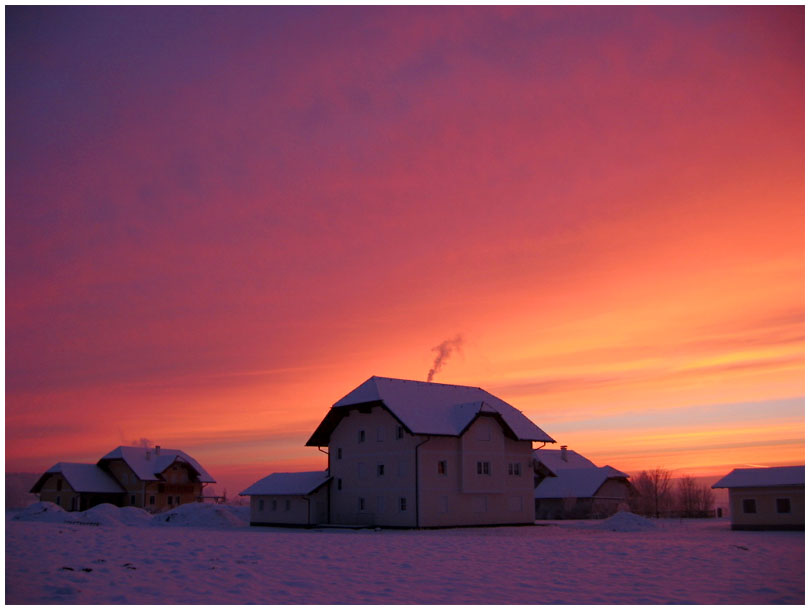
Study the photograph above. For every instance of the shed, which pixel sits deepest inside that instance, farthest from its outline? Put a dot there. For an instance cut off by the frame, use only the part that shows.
(765, 498)
(289, 498)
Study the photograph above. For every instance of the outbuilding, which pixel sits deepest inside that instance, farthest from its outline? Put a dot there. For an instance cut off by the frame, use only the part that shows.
(765, 498)
(77, 486)
(290, 498)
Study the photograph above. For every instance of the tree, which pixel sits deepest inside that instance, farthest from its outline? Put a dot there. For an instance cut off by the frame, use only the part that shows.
(652, 492)
(694, 500)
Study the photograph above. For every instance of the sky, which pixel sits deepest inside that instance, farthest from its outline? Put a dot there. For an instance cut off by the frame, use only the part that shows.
(221, 220)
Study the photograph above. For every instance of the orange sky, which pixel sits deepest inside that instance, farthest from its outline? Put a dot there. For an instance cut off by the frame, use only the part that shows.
(220, 221)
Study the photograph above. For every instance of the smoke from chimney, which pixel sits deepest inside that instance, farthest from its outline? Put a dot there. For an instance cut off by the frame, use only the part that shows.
(444, 349)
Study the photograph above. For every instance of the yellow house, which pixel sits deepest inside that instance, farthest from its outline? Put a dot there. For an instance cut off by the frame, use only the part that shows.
(765, 498)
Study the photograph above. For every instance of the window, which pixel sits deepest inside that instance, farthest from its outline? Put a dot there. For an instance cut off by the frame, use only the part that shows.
(517, 469)
(361, 436)
(483, 467)
(132, 500)
(171, 500)
(286, 505)
(380, 470)
(152, 500)
(340, 453)
(274, 505)
(178, 500)
(443, 467)
(514, 468)
(261, 504)
(403, 504)
(749, 506)
(361, 503)
(782, 505)
(340, 484)
(400, 432)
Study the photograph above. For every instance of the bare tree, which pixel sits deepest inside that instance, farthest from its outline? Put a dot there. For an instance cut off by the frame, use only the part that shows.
(688, 491)
(652, 492)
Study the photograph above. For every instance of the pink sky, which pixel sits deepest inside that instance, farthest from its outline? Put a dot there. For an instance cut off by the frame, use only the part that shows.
(221, 220)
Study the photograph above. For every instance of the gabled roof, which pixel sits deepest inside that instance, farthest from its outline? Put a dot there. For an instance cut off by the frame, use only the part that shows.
(81, 478)
(287, 484)
(763, 477)
(429, 408)
(148, 468)
(553, 459)
(576, 482)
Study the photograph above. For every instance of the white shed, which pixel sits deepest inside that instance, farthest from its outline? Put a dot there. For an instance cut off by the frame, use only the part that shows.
(289, 498)
(765, 498)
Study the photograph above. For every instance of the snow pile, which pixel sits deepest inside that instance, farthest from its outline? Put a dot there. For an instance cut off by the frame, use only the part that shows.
(205, 515)
(43, 511)
(626, 522)
(134, 516)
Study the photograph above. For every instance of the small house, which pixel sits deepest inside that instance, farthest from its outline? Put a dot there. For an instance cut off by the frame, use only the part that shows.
(570, 486)
(765, 498)
(289, 498)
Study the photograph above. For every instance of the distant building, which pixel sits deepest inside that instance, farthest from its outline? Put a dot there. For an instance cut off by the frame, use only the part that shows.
(570, 486)
(416, 454)
(765, 498)
(153, 479)
(290, 498)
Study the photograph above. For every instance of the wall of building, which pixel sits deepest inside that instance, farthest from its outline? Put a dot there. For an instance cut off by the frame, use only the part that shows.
(134, 487)
(56, 489)
(290, 510)
(375, 480)
(467, 495)
(178, 488)
(766, 515)
(363, 493)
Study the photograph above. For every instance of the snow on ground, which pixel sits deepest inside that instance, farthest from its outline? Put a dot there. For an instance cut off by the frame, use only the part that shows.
(216, 559)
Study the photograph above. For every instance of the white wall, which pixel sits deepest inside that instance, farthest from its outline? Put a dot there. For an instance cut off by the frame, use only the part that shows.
(290, 510)
(462, 496)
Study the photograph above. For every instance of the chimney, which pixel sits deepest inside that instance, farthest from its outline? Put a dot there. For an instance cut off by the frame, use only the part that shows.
(148, 454)
(564, 453)
(157, 449)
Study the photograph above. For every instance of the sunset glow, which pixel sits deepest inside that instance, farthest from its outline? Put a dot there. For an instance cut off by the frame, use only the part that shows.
(219, 221)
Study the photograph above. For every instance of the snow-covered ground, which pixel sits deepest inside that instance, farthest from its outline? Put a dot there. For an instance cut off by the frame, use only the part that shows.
(209, 554)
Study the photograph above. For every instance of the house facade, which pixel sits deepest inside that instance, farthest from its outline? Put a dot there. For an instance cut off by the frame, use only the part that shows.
(570, 486)
(407, 453)
(765, 498)
(150, 478)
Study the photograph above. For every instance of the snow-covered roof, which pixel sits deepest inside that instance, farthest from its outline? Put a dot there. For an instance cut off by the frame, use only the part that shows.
(287, 484)
(81, 478)
(147, 463)
(429, 408)
(763, 477)
(576, 482)
(553, 459)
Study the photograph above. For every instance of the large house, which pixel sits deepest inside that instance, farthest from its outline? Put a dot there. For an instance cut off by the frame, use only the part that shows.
(765, 498)
(416, 454)
(570, 486)
(149, 478)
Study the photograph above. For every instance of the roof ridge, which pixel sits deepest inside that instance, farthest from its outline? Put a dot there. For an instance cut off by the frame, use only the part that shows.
(452, 385)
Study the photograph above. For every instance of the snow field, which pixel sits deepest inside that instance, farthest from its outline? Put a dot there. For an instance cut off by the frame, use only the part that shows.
(562, 563)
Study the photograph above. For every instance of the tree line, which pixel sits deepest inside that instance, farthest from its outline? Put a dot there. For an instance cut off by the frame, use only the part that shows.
(656, 494)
